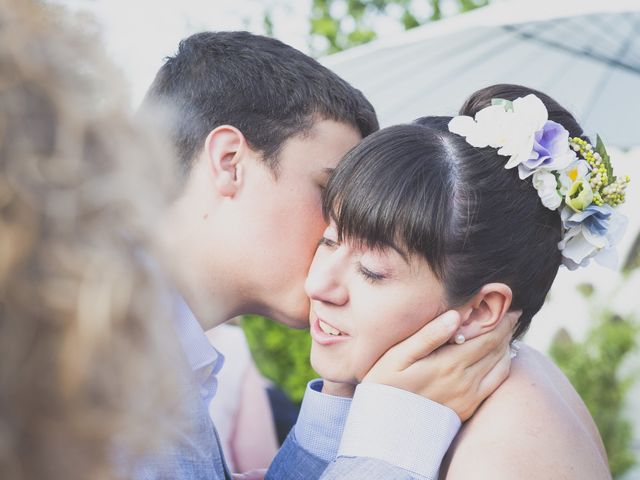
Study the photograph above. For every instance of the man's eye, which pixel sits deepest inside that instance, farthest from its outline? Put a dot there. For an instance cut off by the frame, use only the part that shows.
(327, 242)
(370, 276)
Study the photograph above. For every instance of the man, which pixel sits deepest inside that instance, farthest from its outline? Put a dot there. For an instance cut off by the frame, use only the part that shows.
(258, 128)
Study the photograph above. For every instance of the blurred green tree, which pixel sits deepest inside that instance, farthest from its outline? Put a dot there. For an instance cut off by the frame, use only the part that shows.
(341, 24)
(281, 354)
(595, 368)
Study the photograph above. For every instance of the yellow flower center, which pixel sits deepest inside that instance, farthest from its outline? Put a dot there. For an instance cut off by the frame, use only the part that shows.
(573, 174)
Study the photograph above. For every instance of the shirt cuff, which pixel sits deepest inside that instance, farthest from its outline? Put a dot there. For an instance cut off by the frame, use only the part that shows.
(321, 421)
(400, 428)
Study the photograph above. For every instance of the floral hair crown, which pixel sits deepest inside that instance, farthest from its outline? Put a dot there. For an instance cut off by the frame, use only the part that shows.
(569, 174)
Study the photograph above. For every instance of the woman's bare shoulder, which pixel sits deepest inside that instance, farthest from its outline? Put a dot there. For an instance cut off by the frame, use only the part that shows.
(534, 426)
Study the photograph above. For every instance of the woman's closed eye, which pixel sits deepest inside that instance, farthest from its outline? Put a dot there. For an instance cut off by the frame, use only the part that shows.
(369, 275)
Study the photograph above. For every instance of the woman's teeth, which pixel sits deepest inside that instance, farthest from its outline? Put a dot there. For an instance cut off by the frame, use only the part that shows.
(329, 329)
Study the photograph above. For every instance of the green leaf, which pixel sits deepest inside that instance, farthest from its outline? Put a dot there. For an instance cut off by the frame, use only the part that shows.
(409, 20)
(605, 158)
(360, 36)
(325, 26)
(633, 258)
(507, 104)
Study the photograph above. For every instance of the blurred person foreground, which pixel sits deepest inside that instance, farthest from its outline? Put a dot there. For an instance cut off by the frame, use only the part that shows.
(87, 368)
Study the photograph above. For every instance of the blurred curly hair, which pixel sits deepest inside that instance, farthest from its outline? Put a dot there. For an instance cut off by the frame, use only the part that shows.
(87, 358)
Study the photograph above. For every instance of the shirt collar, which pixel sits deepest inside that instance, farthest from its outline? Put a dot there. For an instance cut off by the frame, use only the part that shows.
(203, 359)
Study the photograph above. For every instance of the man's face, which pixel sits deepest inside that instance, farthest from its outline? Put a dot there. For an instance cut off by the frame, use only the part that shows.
(284, 221)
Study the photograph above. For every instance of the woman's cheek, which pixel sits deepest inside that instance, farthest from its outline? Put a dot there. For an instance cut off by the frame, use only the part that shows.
(368, 355)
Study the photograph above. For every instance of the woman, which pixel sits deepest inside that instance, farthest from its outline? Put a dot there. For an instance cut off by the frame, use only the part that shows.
(425, 218)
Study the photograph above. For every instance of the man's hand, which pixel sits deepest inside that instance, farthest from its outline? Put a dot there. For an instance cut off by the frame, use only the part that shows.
(458, 376)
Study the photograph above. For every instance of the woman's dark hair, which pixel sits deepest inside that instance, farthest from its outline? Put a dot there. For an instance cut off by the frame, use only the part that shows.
(426, 190)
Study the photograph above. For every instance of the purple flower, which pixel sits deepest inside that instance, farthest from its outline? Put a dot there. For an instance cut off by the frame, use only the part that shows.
(550, 150)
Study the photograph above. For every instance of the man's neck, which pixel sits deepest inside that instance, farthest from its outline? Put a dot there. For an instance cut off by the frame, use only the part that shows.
(181, 260)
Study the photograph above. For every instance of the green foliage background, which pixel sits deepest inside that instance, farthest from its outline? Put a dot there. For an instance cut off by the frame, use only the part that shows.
(357, 25)
(594, 367)
(281, 354)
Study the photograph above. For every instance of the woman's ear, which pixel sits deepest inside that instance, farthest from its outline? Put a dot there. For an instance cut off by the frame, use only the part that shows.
(224, 148)
(485, 310)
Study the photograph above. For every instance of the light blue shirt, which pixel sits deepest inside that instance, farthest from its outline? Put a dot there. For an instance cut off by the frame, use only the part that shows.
(195, 453)
(203, 359)
(381, 422)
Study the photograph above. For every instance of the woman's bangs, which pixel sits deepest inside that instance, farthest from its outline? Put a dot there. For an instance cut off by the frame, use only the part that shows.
(391, 191)
(376, 195)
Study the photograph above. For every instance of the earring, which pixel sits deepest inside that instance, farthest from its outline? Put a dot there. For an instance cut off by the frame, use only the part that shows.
(459, 338)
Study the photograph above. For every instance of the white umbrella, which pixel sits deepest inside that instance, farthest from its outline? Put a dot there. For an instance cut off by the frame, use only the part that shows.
(584, 53)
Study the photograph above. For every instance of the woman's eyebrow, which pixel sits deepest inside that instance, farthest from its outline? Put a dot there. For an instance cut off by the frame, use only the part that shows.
(400, 252)
(397, 249)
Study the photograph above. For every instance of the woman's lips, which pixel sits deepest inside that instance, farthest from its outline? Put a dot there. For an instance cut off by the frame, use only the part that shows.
(325, 333)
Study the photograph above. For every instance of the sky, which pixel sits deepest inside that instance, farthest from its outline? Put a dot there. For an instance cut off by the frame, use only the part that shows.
(138, 34)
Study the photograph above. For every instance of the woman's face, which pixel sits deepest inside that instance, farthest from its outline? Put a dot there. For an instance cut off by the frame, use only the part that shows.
(364, 301)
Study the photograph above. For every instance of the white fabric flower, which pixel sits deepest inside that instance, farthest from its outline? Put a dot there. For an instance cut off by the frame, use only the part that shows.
(511, 131)
(547, 186)
(529, 116)
(489, 128)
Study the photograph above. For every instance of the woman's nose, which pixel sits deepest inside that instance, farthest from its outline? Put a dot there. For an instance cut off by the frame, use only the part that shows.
(325, 281)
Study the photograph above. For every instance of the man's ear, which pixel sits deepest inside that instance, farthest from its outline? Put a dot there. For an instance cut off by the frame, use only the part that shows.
(485, 310)
(224, 148)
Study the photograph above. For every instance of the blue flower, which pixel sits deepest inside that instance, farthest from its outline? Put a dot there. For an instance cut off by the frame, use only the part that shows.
(551, 150)
(594, 218)
(591, 233)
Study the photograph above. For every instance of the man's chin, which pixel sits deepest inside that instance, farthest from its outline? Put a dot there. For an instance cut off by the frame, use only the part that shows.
(297, 318)
(298, 321)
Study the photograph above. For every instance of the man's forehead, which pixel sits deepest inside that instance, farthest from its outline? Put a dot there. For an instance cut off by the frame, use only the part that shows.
(322, 149)
(323, 127)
